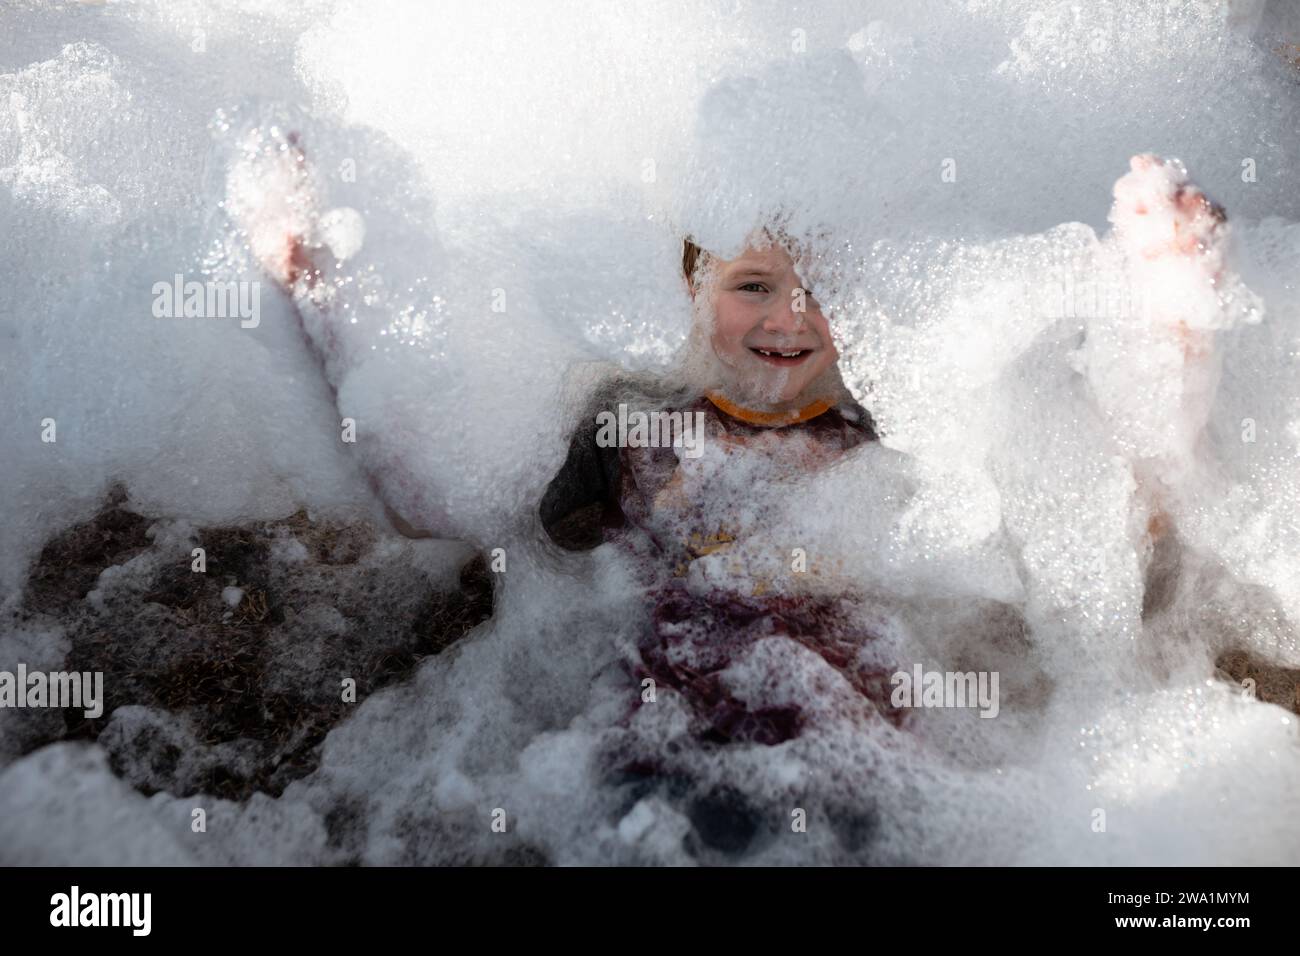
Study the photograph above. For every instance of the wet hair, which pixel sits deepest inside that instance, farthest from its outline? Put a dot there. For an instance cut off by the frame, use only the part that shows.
(692, 255)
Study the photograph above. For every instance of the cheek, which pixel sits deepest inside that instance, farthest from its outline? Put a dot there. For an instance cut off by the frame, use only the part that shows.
(729, 329)
(828, 358)
(818, 322)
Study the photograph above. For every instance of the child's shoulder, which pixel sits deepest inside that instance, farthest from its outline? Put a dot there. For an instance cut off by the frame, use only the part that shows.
(858, 419)
(641, 393)
(585, 494)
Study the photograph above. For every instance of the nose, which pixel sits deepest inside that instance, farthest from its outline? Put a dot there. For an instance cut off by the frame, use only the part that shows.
(782, 318)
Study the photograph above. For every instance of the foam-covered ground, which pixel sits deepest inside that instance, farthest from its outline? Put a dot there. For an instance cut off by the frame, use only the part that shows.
(951, 163)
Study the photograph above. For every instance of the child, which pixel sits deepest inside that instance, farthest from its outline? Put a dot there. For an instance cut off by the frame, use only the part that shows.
(770, 353)
(762, 378)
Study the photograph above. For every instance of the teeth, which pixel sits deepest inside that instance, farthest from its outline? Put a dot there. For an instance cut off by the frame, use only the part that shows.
(794, 354)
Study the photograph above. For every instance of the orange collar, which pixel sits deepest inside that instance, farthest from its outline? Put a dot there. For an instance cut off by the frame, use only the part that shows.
(769, 419)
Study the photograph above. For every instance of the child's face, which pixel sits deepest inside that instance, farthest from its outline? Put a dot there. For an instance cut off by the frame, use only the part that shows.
(768, 329)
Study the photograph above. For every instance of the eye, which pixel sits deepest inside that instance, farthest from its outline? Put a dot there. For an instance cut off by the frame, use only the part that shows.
(752, 287)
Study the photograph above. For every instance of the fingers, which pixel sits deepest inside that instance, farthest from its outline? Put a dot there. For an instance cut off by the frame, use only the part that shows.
(1158, 212)
(1144, 161)
(270, 194)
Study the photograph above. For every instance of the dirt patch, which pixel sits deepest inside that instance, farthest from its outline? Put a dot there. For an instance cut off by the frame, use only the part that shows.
(1273, 684)
(226, 681)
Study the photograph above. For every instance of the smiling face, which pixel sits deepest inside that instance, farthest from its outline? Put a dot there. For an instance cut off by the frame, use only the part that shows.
(768, 330)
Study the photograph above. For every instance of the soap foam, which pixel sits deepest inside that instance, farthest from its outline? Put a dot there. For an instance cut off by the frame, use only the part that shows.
(508, 189)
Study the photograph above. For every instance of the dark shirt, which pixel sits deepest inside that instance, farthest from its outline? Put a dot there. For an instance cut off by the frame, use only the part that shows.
(601, 489)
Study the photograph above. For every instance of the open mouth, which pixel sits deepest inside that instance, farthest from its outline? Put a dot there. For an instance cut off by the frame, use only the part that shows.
(782, 356)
